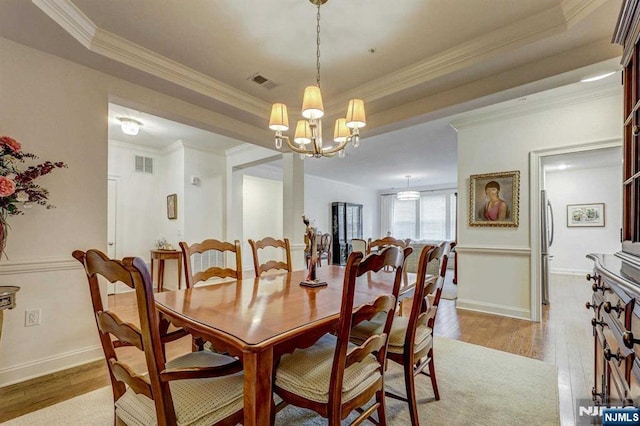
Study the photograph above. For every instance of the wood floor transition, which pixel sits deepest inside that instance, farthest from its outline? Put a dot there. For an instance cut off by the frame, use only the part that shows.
(563, 338)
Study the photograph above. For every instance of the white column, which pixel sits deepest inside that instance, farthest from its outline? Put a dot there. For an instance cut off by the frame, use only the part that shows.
(293, 209)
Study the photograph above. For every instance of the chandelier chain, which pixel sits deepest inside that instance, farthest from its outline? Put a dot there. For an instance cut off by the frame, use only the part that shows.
(318, 47)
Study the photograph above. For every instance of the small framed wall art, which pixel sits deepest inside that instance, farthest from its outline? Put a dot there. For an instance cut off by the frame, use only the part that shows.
(172, 206)
(585, 215)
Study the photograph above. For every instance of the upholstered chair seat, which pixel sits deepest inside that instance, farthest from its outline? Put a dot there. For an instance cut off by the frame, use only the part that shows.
(196, 401)
(307, 372)
(424, 334)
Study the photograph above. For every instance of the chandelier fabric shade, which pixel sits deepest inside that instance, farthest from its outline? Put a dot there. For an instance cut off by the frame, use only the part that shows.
(303, 133)
(312, 107)
(279, 120)
(355, 114)
(307, 139)
(341, 131)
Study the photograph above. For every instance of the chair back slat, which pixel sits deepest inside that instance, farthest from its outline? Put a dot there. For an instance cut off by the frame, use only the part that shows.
(371, 345)
(139, 383)
(223, 247)
(128, 334)
(385, 242)
(258, 267)
(214, 271)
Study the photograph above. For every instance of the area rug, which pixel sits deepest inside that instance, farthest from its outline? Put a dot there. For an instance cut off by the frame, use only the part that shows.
(477, 385)
(449, 290)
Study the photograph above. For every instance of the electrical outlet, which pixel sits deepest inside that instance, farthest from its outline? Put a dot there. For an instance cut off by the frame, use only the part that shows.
(31, 317)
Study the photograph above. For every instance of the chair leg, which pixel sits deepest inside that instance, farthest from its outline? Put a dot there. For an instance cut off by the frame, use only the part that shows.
(410, 385)
(382, 412)
(432, 375)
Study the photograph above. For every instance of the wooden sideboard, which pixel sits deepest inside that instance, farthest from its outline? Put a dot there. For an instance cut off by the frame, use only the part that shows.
(615, 280)
(615, 302)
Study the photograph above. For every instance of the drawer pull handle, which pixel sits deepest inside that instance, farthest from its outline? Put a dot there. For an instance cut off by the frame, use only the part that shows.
(595, 287)
(608, 355)
(592, 277)
(596, 396)
(629, 341)
(595, 322)
(618, 308)
(588, 305)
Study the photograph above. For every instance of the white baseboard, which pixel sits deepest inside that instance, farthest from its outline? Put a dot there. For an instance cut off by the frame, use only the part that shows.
(20, 373)
(490, 308)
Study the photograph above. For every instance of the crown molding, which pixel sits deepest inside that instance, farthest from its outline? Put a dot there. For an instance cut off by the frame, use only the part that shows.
(544, 24)
(511, 109)
(107, 44)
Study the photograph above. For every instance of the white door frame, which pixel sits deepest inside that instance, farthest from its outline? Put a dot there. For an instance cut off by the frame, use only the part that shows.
(535, 183)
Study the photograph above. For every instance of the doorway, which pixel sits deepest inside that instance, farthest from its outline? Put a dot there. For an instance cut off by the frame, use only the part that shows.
(580, 175)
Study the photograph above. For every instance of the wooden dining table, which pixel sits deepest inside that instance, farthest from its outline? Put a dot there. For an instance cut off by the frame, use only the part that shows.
(261, 318)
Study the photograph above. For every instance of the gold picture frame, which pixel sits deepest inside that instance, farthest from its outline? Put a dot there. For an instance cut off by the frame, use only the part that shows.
(494, 199)
(172, 206)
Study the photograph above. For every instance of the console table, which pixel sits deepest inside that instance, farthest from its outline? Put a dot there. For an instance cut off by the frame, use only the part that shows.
(161, 256)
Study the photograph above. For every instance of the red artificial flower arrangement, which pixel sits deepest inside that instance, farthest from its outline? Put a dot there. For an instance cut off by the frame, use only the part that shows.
(18, 190)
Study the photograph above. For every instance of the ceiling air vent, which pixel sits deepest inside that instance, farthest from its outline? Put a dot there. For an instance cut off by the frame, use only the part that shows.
(263, 81)
(144, 164)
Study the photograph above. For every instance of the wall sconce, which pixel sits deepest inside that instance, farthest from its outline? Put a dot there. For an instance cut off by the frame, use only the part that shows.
(129, 126)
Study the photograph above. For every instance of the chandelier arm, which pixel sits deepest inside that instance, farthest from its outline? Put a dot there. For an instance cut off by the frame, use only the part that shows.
(294, 148)
(334, 150)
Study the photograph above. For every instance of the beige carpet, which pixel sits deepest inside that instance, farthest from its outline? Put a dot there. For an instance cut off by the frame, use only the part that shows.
(449, 290)
(478, 386)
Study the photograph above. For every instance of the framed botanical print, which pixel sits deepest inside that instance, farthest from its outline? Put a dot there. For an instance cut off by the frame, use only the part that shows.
(585, 215)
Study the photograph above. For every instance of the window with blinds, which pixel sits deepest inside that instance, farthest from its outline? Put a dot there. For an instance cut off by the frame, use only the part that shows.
(432, 217)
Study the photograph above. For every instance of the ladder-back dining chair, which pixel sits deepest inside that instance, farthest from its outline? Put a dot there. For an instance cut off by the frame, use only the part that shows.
(269, 265)
(202, 387)
(334, 377)
(190, 252)
(380, 243)
(359, 245)
(411, 338)
(324, 249)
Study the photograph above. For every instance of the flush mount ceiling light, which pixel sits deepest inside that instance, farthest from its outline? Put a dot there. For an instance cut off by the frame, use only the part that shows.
(129, 126)
(308, 135)
(408, 195)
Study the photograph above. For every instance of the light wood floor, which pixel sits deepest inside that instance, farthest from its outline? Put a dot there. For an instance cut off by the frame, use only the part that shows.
(563, 338)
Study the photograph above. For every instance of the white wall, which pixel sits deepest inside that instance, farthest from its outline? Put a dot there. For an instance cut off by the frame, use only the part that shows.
(494, 264)
(59, 110)
(320, 193)
(584, 186)
(138, 202)
(262, 216)
(204, 202)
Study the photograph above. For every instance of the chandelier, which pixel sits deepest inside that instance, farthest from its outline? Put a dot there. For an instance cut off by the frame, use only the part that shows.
(408, 195)
(307, 139)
